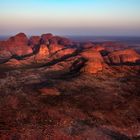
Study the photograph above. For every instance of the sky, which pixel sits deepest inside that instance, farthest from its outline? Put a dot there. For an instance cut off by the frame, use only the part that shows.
(70, 17)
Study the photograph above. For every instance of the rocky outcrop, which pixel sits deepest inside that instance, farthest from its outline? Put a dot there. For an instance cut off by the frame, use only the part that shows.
(92, 67)
(18, 40)
(13, 64)
(66, 51)
(20, 50)
(49, 39)
(42, 54)
(54, 48)
(88, 45)
(122, 57)
(112, 45)
(61, 41)
(99, 48)
(4, 55)
(94, 62)
(17, 45)
(34, 40)
(86, 57)
(45, 38)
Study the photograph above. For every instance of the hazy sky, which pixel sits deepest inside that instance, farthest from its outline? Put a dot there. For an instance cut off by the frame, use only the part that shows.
(70, 17)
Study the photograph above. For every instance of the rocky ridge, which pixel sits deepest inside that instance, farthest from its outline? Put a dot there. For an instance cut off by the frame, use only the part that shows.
(46, 48)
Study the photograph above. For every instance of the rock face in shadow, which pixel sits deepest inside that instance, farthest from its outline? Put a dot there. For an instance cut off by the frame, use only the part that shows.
(34, 40)
(60, 40)
(45, 38)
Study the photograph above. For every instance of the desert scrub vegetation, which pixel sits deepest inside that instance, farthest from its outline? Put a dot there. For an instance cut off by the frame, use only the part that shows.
(9, 83)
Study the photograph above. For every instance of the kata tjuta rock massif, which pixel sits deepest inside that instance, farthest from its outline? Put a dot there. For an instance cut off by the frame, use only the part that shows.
(52, 88)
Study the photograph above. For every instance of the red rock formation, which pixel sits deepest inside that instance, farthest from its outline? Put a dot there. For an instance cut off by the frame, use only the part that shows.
(34, 40)
(99, 48)
(92, 67)
(45, 38)
(91, 54)
(3, 44)
(94, 62)
(88, 45)
(63, 52)
(13, 63)
(17, 45)
(20, 50)
(49, 39)
(18, 40)
(112, 46)
(123, 56)
(61, 41)
(65, 42)
(4, 55)
(53, 48)
(42, 55)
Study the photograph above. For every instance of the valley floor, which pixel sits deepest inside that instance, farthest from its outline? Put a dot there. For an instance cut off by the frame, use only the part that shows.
(103, 106)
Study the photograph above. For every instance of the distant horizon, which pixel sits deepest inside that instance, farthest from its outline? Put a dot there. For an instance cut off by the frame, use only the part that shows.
(68, 35)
